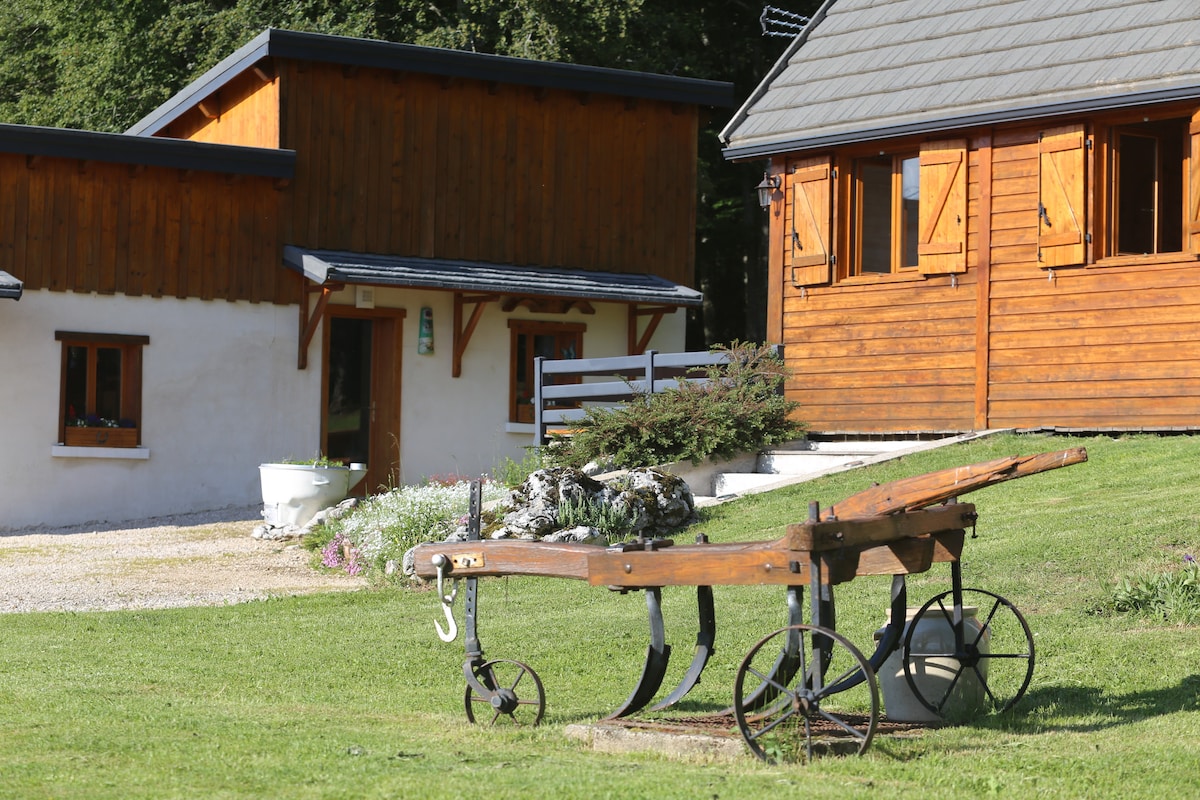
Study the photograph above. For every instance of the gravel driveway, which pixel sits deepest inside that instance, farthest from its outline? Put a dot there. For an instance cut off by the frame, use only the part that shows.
(164, 562)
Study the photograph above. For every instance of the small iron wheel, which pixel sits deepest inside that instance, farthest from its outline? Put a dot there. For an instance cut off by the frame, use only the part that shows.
(982, 665)
(502, 678)
(836, 711)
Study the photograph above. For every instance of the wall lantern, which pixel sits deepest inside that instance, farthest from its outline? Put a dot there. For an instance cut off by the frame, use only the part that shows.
(766, 190)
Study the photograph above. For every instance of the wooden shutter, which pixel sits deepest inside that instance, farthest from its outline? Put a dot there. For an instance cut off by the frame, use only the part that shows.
(807, 237)
(942, 246)
(1062, 191)
(1193, 201)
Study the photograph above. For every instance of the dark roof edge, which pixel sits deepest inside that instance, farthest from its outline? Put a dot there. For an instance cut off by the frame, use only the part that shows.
(156, 152)
(435, 61)
(10, 287)
(776, 68)
(1023, 114)
(314, 266)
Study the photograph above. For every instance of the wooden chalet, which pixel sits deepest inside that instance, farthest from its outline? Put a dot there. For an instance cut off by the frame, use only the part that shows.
(330, 244)
(985, 214)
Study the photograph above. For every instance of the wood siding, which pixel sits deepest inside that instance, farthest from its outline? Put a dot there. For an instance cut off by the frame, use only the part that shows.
(890, 354)
(245, 111)
(459, 169)
(87, 226)
(1077, 342)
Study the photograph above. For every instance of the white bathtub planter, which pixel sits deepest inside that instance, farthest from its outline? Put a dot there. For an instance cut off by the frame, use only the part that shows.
(294, 493)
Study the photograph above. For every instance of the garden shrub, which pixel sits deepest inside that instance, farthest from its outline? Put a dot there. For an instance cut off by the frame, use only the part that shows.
(741, 408)
(384, 526)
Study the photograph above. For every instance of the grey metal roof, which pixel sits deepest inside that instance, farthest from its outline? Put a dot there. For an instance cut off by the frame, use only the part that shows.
(321, 266)
(872, 69)
(9, 286)
(123, 149)
(434, 61)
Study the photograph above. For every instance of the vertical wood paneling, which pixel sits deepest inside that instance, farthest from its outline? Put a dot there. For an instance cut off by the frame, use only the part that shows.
(508, 174)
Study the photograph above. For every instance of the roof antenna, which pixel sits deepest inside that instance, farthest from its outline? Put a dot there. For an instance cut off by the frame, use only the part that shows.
(779, 22)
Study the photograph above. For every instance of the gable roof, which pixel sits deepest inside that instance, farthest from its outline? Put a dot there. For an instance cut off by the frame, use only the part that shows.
(871, 69)
(322, 266)
(350, 51)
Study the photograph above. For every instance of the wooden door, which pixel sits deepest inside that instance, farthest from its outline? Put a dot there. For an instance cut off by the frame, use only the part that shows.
(360, 419)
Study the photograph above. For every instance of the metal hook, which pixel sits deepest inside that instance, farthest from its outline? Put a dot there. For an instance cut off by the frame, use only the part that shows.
(450, 633)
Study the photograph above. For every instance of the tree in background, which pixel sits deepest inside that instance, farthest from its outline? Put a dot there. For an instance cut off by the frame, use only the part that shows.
(104, 64)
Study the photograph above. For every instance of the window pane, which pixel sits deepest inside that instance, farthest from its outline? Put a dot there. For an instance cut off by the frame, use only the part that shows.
(875, 238)
(108, 383)
(522, 385)
(1136, 178)
(910, 197)
(76, 383)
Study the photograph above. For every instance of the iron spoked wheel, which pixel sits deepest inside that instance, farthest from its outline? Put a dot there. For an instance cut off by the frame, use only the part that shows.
(504, 678)
(809, 714)
(984, 667)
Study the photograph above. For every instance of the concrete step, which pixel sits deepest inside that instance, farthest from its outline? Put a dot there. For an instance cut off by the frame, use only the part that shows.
(798, 462)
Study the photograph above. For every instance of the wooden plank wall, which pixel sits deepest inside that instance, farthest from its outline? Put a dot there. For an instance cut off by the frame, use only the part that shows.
(450, 168)
(1090, 347)
(246, 112)
(89, 226)
(886, 355)
(1114, 346)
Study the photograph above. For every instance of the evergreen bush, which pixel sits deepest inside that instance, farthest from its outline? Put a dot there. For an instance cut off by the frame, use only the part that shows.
(740, 408)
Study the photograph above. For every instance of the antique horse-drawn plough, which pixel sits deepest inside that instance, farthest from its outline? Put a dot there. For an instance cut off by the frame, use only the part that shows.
(805, 679)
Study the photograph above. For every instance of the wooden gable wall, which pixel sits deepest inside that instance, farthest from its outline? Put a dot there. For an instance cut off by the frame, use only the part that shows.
(244, 112)
(91, 226)
(427, 166)
(1015, 341)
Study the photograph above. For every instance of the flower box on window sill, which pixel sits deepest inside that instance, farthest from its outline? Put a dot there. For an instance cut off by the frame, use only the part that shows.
(76, 436)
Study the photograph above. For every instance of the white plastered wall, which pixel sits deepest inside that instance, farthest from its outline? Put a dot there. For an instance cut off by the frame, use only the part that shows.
(220, 395)
(460, 425)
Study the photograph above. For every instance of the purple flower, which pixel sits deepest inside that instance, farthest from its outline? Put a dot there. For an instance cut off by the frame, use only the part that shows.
(1189, 558)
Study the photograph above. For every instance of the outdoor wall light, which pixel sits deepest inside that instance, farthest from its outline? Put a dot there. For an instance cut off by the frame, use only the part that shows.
(766, 190)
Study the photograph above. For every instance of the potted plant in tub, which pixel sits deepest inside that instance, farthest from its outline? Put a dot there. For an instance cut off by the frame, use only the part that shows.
(294, 491)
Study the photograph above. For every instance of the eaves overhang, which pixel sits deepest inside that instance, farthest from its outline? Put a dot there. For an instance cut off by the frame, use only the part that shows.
(10, 287)
(120, 148)
(372, 53)
(329, 266)
(476, 284)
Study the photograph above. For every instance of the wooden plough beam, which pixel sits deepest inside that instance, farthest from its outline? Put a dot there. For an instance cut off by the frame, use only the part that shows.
(886, 529)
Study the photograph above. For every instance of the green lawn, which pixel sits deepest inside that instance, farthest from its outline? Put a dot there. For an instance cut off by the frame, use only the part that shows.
(354, 695)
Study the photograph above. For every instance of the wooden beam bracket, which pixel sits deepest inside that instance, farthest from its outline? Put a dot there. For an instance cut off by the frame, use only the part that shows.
(462, 334)
(308, 323)
(637, 345)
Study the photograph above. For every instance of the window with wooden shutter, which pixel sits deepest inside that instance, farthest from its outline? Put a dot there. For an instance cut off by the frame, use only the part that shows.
(942, 247)
(1062, 192)
(809, 221)
(1193, 203)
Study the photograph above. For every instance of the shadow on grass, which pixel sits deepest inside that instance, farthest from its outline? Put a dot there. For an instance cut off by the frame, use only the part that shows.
(1081, 709)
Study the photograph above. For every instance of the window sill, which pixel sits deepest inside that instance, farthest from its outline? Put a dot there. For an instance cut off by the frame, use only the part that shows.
(126, 453)
(892, 277)
(519, 427)
(1148, 259)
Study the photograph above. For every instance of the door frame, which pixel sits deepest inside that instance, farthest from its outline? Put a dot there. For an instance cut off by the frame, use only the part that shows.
(387, 340)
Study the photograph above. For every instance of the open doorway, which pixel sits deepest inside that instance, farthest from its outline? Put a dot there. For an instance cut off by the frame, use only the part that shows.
(360, 420)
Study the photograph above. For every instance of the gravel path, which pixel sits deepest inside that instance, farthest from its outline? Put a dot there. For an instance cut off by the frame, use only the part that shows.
(164, 562)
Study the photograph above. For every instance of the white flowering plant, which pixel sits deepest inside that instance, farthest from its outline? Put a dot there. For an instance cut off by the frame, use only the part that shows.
(384, 526)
